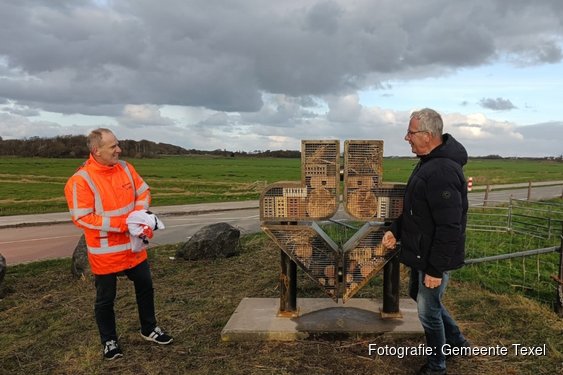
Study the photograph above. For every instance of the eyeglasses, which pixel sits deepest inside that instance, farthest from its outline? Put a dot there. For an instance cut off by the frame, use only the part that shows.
(410, 132)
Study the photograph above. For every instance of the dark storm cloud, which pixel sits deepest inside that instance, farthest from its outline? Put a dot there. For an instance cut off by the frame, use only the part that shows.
(96, 57)
(498, 104)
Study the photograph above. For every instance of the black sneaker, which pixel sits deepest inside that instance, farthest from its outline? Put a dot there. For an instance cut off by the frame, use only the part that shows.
(112, 350)
(424, 370)
(157, 335)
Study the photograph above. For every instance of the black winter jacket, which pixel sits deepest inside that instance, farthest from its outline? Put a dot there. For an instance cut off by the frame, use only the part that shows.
(432, 225)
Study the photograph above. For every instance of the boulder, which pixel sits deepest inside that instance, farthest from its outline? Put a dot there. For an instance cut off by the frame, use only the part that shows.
(80, 266)
(220, 240)
(3, 267)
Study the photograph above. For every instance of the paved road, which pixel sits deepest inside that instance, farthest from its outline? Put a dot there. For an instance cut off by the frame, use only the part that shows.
(26, 238)
(502, 193)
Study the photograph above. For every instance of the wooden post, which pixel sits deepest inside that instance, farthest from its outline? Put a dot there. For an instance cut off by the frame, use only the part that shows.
(288, 286)
(529, 191)
(559, 280)
(486, 199)
(509, 223)
(391, 286)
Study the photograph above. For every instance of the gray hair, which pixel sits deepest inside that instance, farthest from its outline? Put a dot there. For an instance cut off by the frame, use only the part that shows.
(94, 139)
(429, 120)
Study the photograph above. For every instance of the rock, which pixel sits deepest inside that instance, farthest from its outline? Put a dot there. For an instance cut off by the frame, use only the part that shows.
(220, 240)
(80, 266)
(3, 267)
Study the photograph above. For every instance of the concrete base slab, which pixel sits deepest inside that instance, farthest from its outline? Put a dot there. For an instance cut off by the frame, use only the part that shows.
(256, 319)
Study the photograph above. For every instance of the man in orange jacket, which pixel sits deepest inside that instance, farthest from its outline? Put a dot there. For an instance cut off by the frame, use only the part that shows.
(100, 196)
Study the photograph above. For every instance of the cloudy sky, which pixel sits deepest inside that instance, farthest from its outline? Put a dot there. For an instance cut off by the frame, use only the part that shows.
(255, 74)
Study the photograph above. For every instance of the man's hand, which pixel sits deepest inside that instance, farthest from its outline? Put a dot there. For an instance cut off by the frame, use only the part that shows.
(389, 240)
(146, 234)
(432, 282)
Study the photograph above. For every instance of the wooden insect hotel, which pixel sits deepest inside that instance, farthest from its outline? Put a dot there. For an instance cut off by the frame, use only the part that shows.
(290, 212)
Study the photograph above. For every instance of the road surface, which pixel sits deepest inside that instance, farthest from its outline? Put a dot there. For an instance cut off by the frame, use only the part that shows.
(54, 236)
(47, 241)
(502, 193)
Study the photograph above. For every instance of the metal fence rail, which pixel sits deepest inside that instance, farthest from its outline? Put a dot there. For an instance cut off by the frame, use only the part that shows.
(518, 254)
(515, 229)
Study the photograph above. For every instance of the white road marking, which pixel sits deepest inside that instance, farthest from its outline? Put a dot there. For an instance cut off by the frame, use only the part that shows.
(38, 239)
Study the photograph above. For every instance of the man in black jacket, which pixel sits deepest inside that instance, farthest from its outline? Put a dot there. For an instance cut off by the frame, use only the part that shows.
(432, 230)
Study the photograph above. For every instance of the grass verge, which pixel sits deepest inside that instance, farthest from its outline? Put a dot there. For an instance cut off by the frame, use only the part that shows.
(48, 325)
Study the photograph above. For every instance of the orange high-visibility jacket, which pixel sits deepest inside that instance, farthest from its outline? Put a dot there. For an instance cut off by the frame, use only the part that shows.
(100, 198)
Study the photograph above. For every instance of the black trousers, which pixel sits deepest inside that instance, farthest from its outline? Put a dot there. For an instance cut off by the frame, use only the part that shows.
(106, 290)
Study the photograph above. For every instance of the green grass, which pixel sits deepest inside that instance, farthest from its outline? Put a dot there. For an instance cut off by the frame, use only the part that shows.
(507, 171)
(35, 185)
(47, 316)
(48, 325)
(486, 171)
(528, 276)
(509, 229)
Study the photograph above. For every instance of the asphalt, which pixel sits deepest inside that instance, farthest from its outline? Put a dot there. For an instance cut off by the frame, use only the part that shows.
(194, 209)
(186, 209)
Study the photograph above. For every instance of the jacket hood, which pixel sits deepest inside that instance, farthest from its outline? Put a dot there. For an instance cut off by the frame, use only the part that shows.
(451, 149)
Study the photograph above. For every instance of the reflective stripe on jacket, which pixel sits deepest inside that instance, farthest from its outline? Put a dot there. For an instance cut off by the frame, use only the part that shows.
(100, 198)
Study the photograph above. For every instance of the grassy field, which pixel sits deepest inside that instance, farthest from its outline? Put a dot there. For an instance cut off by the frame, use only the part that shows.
(48, 326)
(34, 185)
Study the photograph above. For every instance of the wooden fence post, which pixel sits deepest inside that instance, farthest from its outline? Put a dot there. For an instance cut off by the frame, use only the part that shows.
(486, 199)
(559, 281)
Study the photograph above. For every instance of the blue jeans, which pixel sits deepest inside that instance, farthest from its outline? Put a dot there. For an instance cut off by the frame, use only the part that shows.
(106, 290)
(439, 327)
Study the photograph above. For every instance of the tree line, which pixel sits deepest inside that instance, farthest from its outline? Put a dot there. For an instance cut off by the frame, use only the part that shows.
(74, 146)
